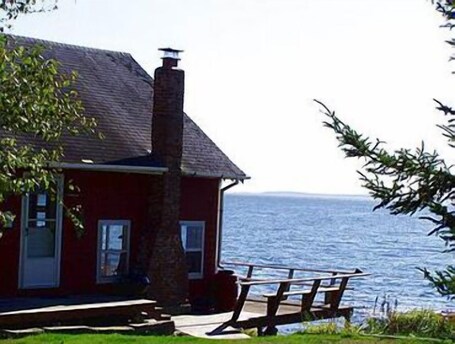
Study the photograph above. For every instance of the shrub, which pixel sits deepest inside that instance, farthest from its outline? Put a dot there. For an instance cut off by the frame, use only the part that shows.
(420, 323)
(324, 328)
(332, 327)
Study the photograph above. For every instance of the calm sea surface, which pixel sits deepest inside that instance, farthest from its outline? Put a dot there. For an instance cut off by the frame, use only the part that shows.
(338, 233)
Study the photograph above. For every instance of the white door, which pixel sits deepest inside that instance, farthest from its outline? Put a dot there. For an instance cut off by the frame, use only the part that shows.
(41, 234)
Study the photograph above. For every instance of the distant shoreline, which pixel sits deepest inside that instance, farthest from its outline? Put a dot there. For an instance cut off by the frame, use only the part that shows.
(300, 195)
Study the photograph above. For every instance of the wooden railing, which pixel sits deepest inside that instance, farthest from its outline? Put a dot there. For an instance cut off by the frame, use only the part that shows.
(252, 266)
(333, 289)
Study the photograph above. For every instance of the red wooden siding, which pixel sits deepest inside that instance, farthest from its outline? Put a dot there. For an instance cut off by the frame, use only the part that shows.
(110, 196)
(9, 251)
(200, 203)
(104, 196)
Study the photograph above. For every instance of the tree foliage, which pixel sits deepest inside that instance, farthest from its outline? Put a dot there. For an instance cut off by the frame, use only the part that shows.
(407, 182)
(410, 181)
(11, 9)
(38, 104)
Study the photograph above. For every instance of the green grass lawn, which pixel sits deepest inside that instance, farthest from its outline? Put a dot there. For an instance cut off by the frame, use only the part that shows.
(121, 339)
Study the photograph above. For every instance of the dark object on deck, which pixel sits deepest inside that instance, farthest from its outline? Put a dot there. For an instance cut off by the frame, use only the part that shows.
(138, 284)
(281, 311)
(133, 285)
(226, 290)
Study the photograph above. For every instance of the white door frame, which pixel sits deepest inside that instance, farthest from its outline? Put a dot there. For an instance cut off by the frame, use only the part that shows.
(58, 238)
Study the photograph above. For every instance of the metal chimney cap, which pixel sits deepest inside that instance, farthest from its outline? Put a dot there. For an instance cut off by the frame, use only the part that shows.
(170, 53)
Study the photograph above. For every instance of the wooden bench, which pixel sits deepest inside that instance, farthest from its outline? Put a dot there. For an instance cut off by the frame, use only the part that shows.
(306, 310)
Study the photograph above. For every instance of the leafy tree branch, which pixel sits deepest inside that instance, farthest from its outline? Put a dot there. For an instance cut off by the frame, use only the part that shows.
(406, 182)
(38, 105)
(410, 181)
(11, 9)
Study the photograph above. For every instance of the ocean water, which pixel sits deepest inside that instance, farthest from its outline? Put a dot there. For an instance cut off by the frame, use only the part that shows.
(338, 233)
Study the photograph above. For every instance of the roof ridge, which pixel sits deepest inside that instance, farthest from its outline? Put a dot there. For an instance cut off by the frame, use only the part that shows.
(139, 70)
(67, 45)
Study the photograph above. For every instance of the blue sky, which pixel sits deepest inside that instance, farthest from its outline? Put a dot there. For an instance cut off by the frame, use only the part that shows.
(254, 66)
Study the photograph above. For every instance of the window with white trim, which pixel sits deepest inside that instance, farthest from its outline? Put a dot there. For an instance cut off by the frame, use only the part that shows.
(193, 243)
(113, 249)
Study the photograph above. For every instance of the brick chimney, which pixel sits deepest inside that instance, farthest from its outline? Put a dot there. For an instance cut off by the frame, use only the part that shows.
(167, 128)
(167, 264)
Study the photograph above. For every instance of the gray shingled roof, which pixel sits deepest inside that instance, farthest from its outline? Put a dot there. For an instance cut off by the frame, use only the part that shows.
(117, 91)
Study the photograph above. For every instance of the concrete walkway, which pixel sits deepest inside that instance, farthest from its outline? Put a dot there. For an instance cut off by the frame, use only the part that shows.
(200, 325)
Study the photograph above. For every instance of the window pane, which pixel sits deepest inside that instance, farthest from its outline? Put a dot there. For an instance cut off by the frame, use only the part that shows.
(40, 216)
(122, 266)
(183, 232)
(113, 249)
(107, 266)
(41, 200)
(194, 262)
(194, 237)
(41, 240)
(41, 205)
(114, 264)
(104, 237)
(41, 224)
(117, 237)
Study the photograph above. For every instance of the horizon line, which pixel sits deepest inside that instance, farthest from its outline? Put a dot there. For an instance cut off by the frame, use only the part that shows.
(296, 193)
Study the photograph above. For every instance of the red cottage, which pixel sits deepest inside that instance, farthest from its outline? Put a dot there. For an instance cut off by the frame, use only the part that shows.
(152, 167)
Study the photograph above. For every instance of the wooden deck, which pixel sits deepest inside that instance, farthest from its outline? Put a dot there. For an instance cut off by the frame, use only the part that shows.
(275, 308)
(289, 299)
(203, 326)
(19, 313)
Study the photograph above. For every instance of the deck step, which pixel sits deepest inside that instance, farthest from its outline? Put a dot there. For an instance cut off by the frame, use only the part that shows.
(164, 317)
(89, 329)
(104, 313)
(159, 315)
(20, 333)
(149, 326)
(156, 327)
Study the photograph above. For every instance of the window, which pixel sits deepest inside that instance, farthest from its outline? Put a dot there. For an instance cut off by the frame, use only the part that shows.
(41, 221)
(113, 249)
(193, 244)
